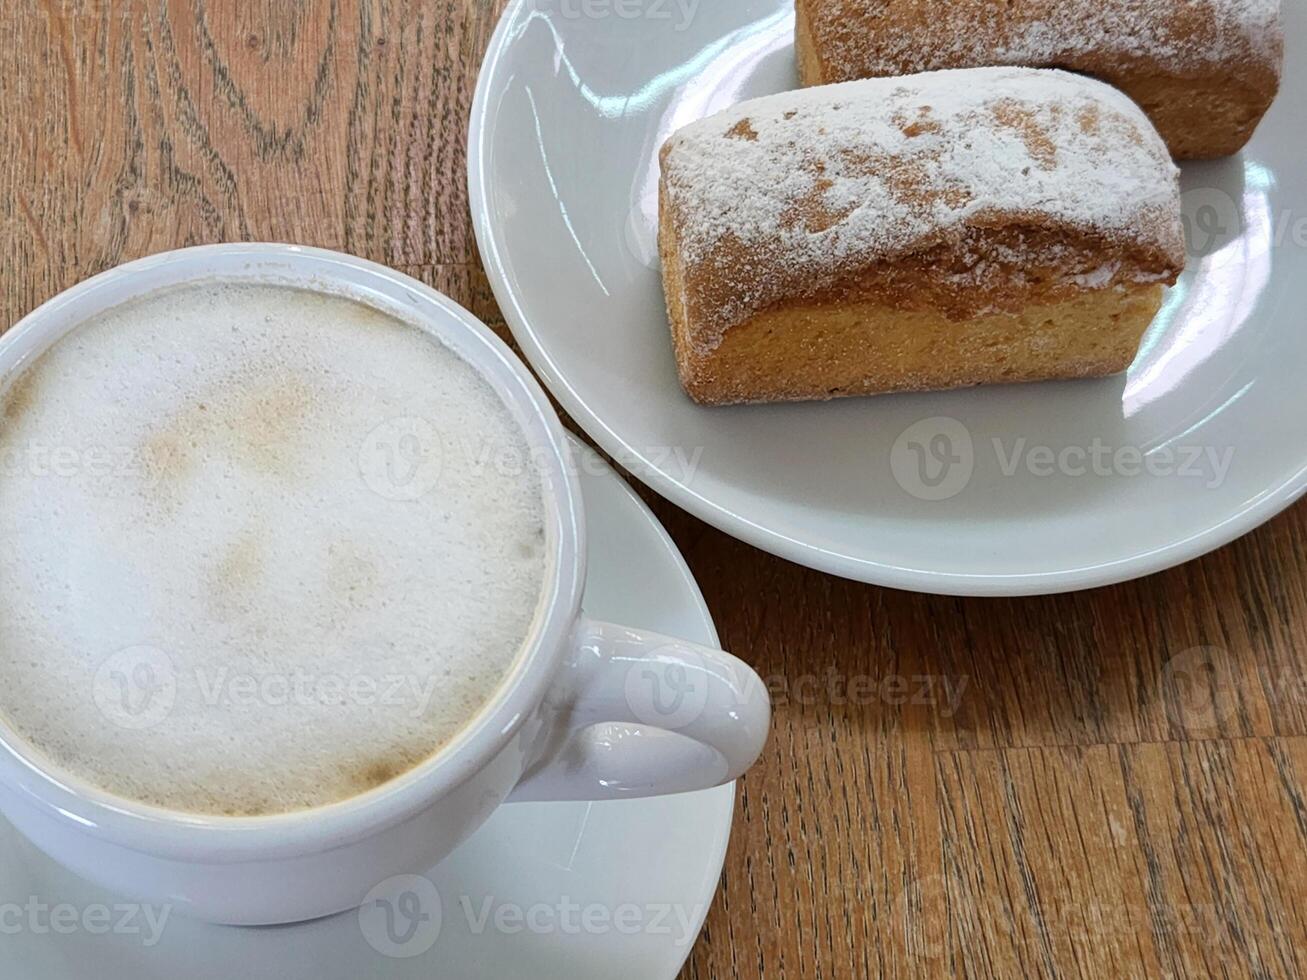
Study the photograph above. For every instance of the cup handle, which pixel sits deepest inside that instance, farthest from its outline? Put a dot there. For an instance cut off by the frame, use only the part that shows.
(689, 717)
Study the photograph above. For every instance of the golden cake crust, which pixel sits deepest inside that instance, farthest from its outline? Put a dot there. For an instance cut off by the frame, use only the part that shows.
(1206, 71)
(945, 202)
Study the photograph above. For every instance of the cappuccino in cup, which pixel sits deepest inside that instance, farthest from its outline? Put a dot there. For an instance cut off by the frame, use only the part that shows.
(265, 548)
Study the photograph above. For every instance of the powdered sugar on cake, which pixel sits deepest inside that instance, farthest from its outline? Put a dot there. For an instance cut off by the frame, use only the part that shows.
(1177, 32)
(820, 182)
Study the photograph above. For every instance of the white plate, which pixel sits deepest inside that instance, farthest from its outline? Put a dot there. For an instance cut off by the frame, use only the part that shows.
(1089, 482)
(566, 890)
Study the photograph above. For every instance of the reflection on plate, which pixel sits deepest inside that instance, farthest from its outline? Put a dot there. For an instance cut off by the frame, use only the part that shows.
(999, 490)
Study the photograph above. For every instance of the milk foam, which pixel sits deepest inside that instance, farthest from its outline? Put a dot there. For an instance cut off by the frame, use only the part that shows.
(264, 549)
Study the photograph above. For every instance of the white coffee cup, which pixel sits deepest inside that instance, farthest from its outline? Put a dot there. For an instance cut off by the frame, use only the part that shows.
(701, 713)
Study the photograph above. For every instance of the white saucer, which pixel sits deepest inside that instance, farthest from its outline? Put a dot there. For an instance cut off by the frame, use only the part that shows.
(567, 890)
(1090, 482)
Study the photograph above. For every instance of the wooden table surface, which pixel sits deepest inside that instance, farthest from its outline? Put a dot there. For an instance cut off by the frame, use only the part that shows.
(1105, 784)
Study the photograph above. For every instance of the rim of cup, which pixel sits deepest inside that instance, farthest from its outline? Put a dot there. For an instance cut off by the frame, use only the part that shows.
(197, 836)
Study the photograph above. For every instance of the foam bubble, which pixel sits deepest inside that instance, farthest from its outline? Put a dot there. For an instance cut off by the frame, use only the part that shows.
(264, 548)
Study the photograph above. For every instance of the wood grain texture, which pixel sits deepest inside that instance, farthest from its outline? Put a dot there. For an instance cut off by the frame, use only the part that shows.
(1103, 784)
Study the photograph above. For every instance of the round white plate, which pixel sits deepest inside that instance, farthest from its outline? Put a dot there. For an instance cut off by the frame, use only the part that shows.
(566, 890)
(998, 490)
